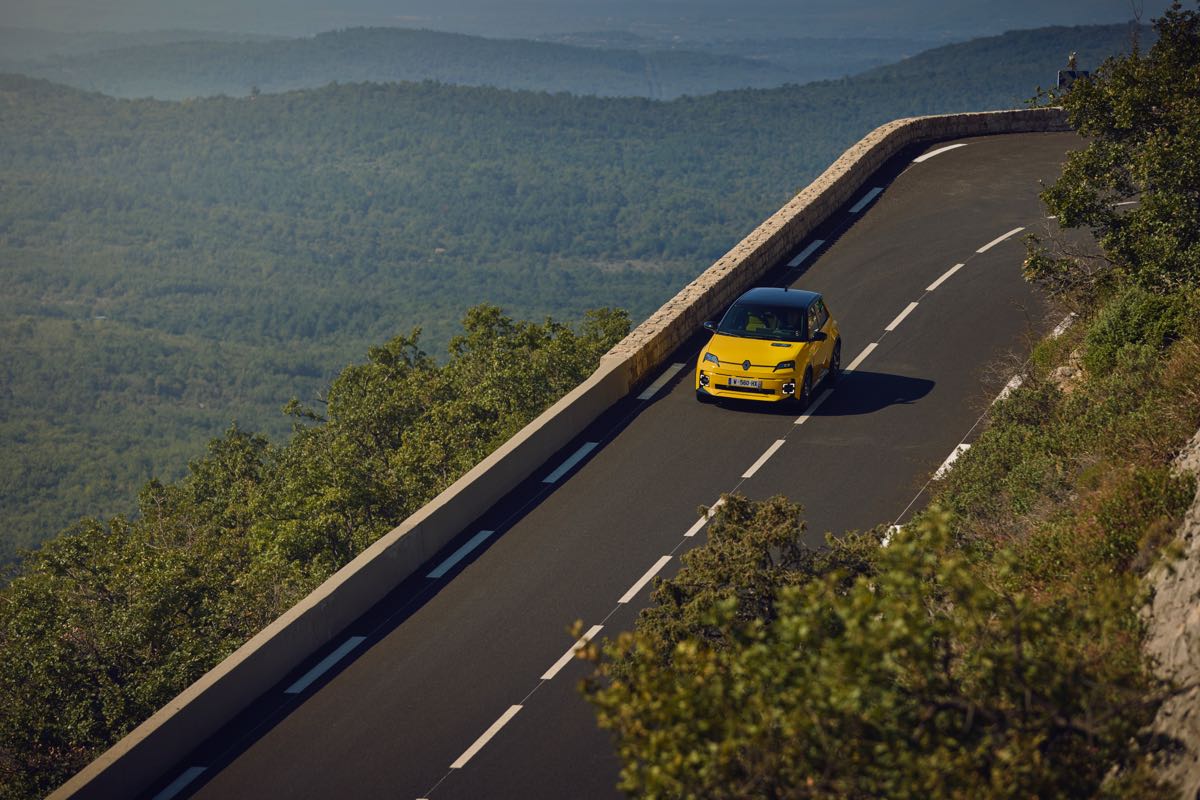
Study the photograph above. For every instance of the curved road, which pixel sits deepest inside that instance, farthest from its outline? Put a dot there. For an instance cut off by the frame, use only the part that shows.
(457, 685)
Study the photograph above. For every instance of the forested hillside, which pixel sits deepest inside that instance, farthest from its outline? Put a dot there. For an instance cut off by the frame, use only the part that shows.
(603, 65)
(168, 267)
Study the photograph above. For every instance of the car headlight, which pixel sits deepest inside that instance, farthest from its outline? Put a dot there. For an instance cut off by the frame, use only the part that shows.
(785, 365)
(713, 358)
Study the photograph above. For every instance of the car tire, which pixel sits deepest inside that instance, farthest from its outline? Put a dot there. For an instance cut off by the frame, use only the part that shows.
(835, 363)
(806, 389)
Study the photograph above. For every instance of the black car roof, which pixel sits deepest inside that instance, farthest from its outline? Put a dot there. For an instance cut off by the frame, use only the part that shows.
(769, 295)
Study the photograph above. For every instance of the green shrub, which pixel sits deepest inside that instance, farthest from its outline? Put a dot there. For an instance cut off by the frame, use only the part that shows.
(1134, 317)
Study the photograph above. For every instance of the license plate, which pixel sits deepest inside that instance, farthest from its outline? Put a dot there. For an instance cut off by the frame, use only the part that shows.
(748, 383)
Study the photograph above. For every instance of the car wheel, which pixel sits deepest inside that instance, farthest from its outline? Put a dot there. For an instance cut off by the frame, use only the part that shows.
(806, 389)
(835, 363)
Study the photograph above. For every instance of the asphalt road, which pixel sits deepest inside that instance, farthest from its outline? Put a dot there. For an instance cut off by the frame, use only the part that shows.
(406, 712)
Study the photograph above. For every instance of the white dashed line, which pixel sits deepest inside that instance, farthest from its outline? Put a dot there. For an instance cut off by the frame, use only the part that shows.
(566, 466)
(939, 151)
(900, 317)
(325, 665)
(460, 554)
(653, 388)
(763, 459)
(866, 199)
(642, 581)
(998, 240)
(179, 784)
(861, 356)
(812, 407)
(700, 523)
(1009, 388)
(806, 252)
(570, 654)
(943, 279)
(949, 462)
(487, 736)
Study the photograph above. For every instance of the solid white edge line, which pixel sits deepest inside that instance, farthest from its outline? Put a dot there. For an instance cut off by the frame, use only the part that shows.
(653, 388)
(642, 581)
(326, 663)
(566, 466)
(866, 199)
(950, 459)
(486, 737)
(459, 554)
(939, 151)
(179, 784)
(570, 654)
(1013, 384)
(812, 408)
(861, 356)
(998, 240)
(1061, 328)
(891, 326)
(763, 459)
(891, 531)
(1128, 203)
(700, 523)
(943, 279)
(806, 252)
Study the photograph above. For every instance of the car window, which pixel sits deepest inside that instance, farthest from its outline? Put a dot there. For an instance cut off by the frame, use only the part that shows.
(822, 315)
(779, 323)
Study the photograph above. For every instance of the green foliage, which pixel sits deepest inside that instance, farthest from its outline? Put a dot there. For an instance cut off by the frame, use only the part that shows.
(1141, 116)
(241, 251)
(1135, 317)
(109, 620)
(916, 677)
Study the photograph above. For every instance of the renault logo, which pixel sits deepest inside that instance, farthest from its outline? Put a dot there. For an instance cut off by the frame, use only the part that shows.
(746, 365)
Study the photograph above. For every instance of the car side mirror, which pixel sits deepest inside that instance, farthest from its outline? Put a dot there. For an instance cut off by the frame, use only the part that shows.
(710, 326)
(819, 336)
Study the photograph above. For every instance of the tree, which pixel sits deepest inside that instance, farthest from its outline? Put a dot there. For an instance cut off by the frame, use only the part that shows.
(1140, 114)
(875, 672)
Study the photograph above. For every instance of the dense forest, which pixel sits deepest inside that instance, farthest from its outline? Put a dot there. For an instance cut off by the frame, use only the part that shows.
(622, 66)
(166, 267)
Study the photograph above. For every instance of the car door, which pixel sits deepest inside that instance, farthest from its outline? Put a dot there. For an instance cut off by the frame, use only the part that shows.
(818, 319)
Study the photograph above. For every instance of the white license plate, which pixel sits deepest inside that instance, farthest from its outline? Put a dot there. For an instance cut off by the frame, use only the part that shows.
(748, 383)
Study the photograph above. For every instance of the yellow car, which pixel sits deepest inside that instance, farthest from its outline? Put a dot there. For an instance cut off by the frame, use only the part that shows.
(771, 345)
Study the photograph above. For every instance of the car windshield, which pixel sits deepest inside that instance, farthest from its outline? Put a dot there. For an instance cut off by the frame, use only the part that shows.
(778, 323)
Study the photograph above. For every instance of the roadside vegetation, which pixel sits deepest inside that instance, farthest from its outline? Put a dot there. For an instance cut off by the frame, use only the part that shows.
(992, 647)
(108, 621)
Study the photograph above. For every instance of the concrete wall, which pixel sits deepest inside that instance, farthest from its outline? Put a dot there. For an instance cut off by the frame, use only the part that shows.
(143, 756)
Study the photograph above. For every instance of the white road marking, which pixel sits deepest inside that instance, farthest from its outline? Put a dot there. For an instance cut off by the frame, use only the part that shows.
(326, 663)
(806, 252)
(939, 151)
(943, 279)
(949, 462)
(861, 356)
(570, 654)
(486, 737)
(1010, 387)
(900, 317)
(866, 199)
(1061, 328)
(653, 388)
(999, 239)
(700, 523)
(763, 459)
(1128, 203)
(812, 407)
(179, 784)
(566, 466)
(460, 554)
(642, 581)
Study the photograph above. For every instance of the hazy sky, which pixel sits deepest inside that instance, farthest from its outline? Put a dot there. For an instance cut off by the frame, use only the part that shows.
(926, 19)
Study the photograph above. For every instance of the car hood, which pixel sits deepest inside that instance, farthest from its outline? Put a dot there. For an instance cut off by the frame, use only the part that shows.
(759, 352)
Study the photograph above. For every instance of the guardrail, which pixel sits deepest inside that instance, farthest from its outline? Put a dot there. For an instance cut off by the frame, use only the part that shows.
(141, 757)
